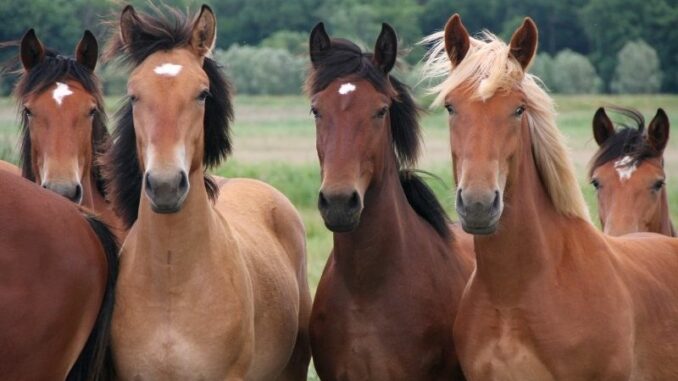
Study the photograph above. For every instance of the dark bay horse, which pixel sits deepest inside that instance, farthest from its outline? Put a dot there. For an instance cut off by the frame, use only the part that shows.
(552, 297)
(57, 274)
(63, 123)
(387, 300)
(628, 174)
(212, 281)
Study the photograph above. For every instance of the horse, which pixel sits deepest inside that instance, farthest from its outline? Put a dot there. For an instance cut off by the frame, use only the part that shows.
(387, 299)
(63, 123)
(212, 282)
(57, 276)
(9, 167)
(628, 174)
(552, 297)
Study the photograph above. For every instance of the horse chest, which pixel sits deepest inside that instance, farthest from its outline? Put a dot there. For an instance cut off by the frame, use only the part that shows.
(505, 355)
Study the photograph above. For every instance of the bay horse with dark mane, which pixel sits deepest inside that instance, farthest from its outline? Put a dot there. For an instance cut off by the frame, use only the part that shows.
(387, 300)
(212, 281)
(628, 174)
(552, 297)
(63, 123)
(58, 267)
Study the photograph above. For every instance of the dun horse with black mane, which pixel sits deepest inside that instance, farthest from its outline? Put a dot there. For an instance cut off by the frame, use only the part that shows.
(388, 297)
(212, 281)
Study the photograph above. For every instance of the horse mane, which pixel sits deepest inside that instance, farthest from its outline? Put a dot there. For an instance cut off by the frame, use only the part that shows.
(487, 69)
(346, 59)
(58, 68)
(164, 30)
(628, 141)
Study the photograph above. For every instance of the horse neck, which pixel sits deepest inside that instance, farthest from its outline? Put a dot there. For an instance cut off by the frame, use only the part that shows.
(664, 226)
(181, 240)
(365, 255)
(531, 235)
(92, 198)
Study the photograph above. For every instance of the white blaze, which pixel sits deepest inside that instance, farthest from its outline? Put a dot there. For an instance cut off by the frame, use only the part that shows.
(625, 167)
(62, 91)
(168, 69)
(346, 88)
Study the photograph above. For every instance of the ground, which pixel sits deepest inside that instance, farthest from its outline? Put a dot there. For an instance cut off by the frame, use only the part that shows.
(274, 140)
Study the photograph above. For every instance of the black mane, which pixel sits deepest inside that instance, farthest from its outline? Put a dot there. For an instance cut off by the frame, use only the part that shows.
(629, 140)
(162, 31)
(343, 59)
(58, 68)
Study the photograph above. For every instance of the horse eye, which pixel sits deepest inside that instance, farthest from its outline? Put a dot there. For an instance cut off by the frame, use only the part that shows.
(657, 186)
(595, 183)
(449, 108)
(92, 112)
(133, 99)
(203, 95)
(519, 111)
(381, 113)
(27, 112)
(315, 112)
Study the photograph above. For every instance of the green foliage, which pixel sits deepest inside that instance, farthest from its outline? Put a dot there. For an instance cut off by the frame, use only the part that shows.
(113, 78)
(637, 69)
(574, 74)
(543, 67)
(294, 42)
(261, 70)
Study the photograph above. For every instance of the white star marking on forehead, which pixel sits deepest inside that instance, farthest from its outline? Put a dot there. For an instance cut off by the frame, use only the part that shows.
(625, 167)
(168, 69)
(346, 88)
(62, 91)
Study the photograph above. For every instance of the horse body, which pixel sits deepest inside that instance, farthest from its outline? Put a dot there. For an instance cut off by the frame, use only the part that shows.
(54, 277)
(552, 298)
(213, 277)
(9, 167)
(387, 299)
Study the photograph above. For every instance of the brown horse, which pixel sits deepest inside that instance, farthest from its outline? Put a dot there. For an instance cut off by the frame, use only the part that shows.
(57, 273)
(63, 123)
(628, 174)
(387, 300)
(552, 297)
(212, 281)
(9, 167)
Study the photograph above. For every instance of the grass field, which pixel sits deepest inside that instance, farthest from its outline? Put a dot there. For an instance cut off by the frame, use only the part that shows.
(274, 139)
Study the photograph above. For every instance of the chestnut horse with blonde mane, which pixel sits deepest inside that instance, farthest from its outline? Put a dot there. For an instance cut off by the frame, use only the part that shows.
(387, 300)
(63, 123)
(212, 281)
(57, 274)
(628, 174)
(552, 297)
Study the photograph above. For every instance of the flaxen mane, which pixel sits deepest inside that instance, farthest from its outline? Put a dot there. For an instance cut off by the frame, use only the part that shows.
(487, 69)
(164, 30)
(345, 59)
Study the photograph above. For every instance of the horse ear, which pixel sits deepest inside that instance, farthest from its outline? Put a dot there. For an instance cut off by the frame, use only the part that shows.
(386, 48)
(524, 42)
(319, 43)
(457, 40)
(204, 34)
(603, 128)
(128, 24)
(87, 51)
(658, 131)
(32, 51)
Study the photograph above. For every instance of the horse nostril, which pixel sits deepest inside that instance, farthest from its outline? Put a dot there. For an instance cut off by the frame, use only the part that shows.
(147, 180)
(183, 181)
(78, 193)
(460, 201)
(322, 201)
(354, 201)
(495, 203)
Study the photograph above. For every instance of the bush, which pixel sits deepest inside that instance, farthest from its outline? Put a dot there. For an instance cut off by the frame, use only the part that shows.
(113, 78)
(262, 70)
(542, 67)
(294, 42)
(574, 74)
(637, 69)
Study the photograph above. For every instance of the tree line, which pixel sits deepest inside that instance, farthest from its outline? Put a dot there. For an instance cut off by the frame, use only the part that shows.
(595, 30)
